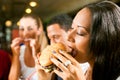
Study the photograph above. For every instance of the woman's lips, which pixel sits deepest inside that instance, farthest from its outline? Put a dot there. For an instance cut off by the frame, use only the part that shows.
(72, 51)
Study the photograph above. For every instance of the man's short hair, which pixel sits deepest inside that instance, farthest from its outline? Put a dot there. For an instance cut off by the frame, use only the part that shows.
(63, 20)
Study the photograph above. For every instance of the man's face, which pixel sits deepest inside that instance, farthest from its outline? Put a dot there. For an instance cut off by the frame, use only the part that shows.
(56, 34)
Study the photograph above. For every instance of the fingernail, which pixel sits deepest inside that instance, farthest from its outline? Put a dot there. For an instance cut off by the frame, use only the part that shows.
(51, 57)
(54, 52)
(61, 51)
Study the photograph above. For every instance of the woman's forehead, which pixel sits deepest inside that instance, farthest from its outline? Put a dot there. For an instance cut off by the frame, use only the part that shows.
(27, 21)
(83, 18)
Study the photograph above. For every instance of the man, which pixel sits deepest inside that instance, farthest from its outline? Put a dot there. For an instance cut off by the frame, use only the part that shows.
(57, 30)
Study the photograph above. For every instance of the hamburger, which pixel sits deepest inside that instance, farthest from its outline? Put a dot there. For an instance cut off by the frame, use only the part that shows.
(46, 54)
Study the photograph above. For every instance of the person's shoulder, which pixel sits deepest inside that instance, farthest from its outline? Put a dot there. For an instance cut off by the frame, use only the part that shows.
(118, 78)
(3, 53)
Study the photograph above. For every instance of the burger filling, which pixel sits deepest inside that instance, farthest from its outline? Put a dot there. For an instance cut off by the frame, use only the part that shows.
(49, 68)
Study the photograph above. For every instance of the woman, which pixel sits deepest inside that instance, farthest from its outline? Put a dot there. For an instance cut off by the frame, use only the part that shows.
(30, 32)
(94, 38)
(57, 32)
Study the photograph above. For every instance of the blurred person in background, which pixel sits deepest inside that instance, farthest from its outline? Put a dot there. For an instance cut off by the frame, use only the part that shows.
(30, 31)
(5, 64)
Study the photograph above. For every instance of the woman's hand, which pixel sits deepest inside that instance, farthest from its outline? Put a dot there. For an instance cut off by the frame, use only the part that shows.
(69, 67)
(42, 75)
(15, 66)
(15, 46)
(35, 45)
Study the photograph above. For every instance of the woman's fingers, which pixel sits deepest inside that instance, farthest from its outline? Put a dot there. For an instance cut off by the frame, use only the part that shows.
(69, 67)
(42, 75)
(17, 39)
(59, 56)
(59, 64)
(32, 44)
(59, 73)
(36, 44)
(65, 61)
(15, 46)
(69, 57)
(35, 49)
(64, 56)
(16, 42)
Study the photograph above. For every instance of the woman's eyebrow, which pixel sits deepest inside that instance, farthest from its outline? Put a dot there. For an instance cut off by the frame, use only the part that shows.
(88, 30)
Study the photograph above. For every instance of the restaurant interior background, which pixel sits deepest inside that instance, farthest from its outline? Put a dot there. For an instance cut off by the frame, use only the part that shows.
(12, 10)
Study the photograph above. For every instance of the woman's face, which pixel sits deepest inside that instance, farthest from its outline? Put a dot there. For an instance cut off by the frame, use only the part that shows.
(79, 35)
(28, 28)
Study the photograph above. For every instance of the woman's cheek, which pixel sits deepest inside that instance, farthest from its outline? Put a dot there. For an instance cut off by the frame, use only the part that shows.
(82, 52)
(21, 35)
(82, 45)
(33, 35)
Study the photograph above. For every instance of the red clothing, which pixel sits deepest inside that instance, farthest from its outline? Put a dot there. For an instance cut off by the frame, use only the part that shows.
(5, 64)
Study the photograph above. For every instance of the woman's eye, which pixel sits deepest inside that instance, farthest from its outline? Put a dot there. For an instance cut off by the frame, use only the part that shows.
(80, 34)
(21, 29)
(30, 28)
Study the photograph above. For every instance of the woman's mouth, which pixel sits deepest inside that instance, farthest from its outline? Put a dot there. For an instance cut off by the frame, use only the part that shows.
(26, 39)
(72, 51)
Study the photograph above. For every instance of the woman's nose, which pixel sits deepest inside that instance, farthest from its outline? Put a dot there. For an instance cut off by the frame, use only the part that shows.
(25, 33)
(71, 36)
